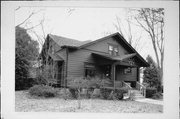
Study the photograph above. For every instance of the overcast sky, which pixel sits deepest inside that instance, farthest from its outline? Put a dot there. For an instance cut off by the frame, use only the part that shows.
(83, 23)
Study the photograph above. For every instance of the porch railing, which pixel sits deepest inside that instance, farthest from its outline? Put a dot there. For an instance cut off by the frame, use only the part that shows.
(141, 88)
(129, 88)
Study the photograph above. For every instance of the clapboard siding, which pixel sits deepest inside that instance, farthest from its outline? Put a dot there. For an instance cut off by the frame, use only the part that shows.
(76, 60)
(103, 46)
(126, 77)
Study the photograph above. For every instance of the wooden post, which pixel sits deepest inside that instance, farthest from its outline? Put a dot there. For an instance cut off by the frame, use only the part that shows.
(113, 70)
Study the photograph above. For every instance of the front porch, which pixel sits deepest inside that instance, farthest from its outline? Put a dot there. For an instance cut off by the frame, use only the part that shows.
(122, 72)
(118, 70)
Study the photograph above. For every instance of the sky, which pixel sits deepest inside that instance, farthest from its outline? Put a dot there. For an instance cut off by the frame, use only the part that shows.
(82, 24)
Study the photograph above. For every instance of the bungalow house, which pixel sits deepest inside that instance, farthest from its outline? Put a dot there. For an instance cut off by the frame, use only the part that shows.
(110, 56)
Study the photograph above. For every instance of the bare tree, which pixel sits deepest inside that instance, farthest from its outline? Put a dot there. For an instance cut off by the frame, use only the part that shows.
(152, 21)
(26, 20)
(127, 33)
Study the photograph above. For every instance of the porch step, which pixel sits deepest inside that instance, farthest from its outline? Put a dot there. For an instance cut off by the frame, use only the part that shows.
(137, 94)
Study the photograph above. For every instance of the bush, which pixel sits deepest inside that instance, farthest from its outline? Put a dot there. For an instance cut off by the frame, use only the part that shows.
(96, 93)
(105, 92)
(74, 92)
(150, 92)
(65, 93)
(90, 92)
(43, 91)
(118, 94)
(157, 96)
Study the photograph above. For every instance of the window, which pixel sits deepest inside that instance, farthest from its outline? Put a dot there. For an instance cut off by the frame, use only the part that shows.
(113, 50)
(127, 70)
(110, 49)
(116, 51)
(89, 70)
(89, 73)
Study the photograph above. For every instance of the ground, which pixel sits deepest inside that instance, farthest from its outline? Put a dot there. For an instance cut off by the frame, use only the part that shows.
(25, 103)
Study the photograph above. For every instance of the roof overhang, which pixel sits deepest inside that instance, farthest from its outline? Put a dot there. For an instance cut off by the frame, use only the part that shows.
(70, 47)
(118, 58)
(115, 58)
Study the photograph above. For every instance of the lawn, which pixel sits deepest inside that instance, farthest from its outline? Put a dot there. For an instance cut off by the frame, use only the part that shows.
(25, 103)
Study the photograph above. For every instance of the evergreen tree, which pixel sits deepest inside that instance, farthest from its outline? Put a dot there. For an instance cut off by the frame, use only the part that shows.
(152, 74)
(26, 51)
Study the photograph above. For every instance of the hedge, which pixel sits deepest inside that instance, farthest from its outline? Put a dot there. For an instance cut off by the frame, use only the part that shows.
(43, 91)
(150, 91)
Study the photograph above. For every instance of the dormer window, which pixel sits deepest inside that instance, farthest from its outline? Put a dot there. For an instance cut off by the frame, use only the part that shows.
(113, 50)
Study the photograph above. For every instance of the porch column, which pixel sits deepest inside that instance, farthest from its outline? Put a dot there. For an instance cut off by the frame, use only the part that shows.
(113, 73)
(138, 75)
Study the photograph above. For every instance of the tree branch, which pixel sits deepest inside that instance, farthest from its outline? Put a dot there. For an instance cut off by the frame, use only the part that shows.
(26, 19)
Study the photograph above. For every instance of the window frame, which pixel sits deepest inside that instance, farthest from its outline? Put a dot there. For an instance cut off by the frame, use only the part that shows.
(93, 69)
(113, 52)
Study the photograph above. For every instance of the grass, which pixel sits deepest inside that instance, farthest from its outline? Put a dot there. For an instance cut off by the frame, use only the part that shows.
(25, 103)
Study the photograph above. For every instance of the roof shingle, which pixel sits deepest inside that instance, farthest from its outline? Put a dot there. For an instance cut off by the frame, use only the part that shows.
(63, 41)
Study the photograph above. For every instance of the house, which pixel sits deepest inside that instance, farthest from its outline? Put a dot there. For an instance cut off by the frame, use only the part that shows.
(110, 56)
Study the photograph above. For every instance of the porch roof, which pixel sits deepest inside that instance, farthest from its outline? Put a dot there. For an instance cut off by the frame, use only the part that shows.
(120, 58)
(115, 58)
(55, 57)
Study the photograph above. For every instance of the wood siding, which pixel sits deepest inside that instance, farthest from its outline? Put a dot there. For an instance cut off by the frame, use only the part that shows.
(77, 58)
(103, 46)
(121, 76)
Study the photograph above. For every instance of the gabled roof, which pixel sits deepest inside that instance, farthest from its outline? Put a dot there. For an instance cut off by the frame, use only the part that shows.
(63, 41)
(75, 44)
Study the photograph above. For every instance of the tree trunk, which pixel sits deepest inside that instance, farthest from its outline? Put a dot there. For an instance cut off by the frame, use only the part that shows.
(79, 100)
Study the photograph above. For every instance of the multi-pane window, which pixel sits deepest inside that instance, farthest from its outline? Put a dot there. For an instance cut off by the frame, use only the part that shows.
(113, 50)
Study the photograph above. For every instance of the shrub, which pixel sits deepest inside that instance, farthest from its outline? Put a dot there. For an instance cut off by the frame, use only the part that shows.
(90, 92)
(45, 76)
(105, 92)
(74, 92)
(43, 91)
(118, 94)
(96, 93)
(157, 96)
(150, 91)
